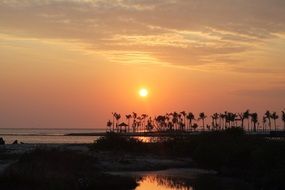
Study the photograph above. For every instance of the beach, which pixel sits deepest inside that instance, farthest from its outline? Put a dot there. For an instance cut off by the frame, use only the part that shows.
(181, 162)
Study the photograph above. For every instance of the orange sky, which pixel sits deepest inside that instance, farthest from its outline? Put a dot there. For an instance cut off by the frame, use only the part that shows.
(70, 63)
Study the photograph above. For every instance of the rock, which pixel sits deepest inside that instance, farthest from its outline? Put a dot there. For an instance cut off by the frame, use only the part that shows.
(15, 142)
(2, 141)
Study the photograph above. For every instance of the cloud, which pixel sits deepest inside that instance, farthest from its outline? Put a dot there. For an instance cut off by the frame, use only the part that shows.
(268, 93)
(175, 32)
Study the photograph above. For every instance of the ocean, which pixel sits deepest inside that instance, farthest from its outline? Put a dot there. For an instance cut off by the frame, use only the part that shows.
(47, 136)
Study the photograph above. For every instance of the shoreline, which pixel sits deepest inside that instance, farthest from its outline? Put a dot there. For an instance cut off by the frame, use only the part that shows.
(272, 134)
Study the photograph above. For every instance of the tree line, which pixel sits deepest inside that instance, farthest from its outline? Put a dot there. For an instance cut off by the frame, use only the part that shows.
(188, 122)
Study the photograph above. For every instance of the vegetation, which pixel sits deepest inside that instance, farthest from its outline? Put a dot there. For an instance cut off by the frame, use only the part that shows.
(183, 122)
(57, 169)
(257, 160)
(113, 141)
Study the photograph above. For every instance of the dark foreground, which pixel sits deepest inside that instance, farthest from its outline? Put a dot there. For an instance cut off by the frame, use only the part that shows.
(256, 161)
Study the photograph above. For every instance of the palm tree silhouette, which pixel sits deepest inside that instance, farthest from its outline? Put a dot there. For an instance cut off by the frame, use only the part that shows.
(117, 117)
(254, 119)
(143, 118)
(229, 118)
(109, 125)
(183, 113)
(215, 118)
(195, 126)
(263, 123)
(190, 116)
(283, 119)
(160, 120)
(128, 117)
(223, 120)
(232, 118)
(274, 116)
(134, 125)
(243, 116)
(149, 126)
(113, 114)
(202, 117)
(268, 117)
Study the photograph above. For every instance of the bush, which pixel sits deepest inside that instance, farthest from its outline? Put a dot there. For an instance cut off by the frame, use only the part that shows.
(117, 142)
(59, 170)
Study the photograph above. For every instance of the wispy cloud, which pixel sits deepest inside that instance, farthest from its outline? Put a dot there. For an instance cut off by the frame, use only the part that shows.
(174, 32)
(268, 93)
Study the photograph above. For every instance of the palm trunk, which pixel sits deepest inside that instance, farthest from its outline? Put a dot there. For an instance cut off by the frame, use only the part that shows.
(113, 123)
(275, 125)
(128, 125)
(242, 122)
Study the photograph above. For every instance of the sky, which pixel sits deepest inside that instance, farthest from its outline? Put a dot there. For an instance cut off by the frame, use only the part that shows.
(71, 63)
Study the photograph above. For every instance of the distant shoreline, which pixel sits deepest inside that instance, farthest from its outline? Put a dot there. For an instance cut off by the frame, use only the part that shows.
(137, 134)
(171, 134)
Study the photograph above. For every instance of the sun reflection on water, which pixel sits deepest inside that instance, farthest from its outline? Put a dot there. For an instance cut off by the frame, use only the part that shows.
(156, 182)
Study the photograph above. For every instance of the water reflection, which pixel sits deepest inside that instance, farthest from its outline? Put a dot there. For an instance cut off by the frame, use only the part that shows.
(200, 182)
(157, 182)
(184, 179)
(152, 139)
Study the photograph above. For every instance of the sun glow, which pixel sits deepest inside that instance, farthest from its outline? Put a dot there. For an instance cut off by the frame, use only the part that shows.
(143, 92)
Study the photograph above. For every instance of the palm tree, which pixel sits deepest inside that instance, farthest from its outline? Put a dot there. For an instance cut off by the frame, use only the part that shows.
(215, 118)
(134, 125)
(117, 117)
(195, 126)
(263, 123)
(202, 117)
(283, 119)
(143, 116)
(149, 126)
(233, 118)
(109, 125)
(114, 114)
(161, 124)
(268, 117)
(254, 119)
(183, 113)
(229, 117)
(243, 116)
(128, 117)
(175, 119)
(274, 116)
(139, 123)
(223, 120)
(190, 116)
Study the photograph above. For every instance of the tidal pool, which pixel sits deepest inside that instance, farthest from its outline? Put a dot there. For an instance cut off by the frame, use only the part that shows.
(184, 179)
(171, 179)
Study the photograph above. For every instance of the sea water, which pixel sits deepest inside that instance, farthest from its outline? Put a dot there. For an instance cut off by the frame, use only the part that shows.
(47, 136)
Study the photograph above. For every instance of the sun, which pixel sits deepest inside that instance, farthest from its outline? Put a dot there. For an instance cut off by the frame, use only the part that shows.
(143, 92)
